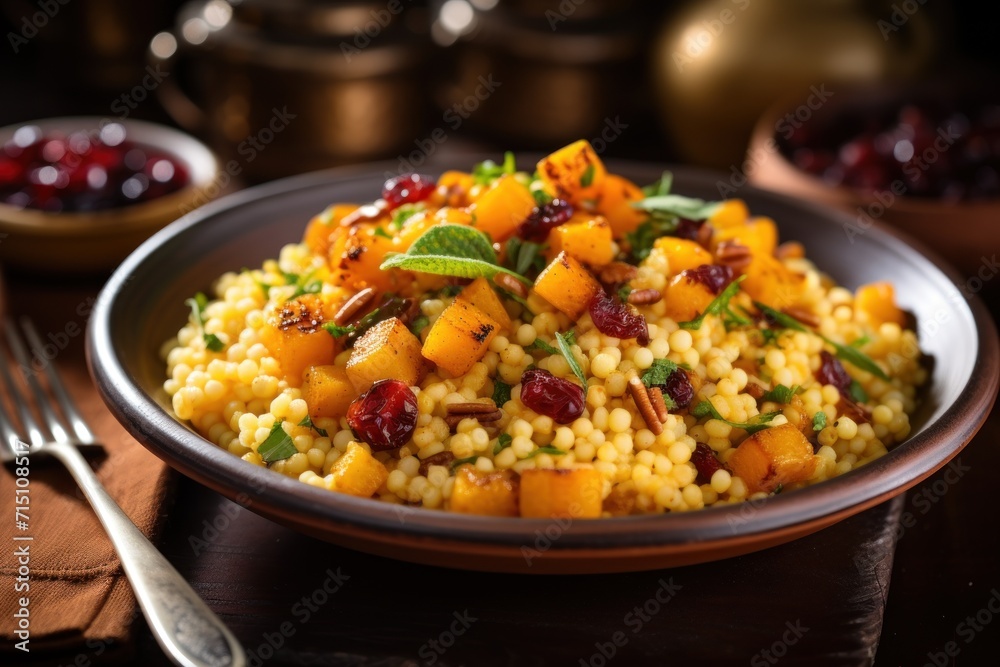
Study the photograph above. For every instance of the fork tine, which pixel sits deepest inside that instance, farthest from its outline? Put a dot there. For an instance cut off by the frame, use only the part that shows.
(7, 432)
(83, 434)
(36, 437)
(56, 429)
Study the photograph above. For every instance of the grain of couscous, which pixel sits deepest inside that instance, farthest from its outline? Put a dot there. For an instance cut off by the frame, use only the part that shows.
(563, 343)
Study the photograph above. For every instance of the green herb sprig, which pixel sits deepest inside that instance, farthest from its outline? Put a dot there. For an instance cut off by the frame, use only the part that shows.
(761, 421)
(198, 304)
(719, 306)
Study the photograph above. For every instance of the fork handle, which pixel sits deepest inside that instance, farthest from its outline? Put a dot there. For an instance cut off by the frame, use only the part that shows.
(186, 629)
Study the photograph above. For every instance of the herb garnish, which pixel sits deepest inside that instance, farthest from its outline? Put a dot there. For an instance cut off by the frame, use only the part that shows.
(760, 422)
(525, 257)
(661, 187)
(381, 232)
(781, 393)
(861, 341)
(539, 344)
(277, 446)
(198, 304)
(679, 206)
(488, 171)
(337, 330)
(857, 392)
(503, 442)
(588, 176)
(404, 213)
(419, 324)
(501, 392)
(623, 293)
(719, 306)
(457, 463)
(451, 250)
(642, 239)
(657, 374)
(819, 421)
(845, 352)
(308, 423)
(545, 450)
(564, 341)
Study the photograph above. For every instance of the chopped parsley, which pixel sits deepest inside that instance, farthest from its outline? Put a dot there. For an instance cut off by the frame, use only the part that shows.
(488, 171)
(546, 450)
(337, 330)
(381, 232)
(759, 423)
(198, 304)
(503, 442)
(501, 392)
(623, 293)
(540, 344)
(541, 197)
(308, 423)
(404, 213)
(419, 324)
(587, 179)
(720, 306)
(781, 393)
(857, 392)
(819, 421)
(657, 374)
(641, 241)
(458, 463)
(277, 446)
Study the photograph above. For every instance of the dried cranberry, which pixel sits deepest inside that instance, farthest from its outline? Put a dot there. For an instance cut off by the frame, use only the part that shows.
(407, 189)
(704, 460)
(713, 276)
(385, 415)
(543, 219)
(553, 397)
(678, 387)
(831, 371)
(688, 229)
(614, 318)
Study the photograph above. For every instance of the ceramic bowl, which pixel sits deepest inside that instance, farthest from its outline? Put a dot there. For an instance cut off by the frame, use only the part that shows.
(143, 305)
(91, 242)
(965, 233)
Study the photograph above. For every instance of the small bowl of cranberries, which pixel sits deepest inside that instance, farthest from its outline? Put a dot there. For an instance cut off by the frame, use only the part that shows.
(925, 159)
(78, 194)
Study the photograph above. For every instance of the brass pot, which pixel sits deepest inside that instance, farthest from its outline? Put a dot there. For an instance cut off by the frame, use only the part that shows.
(719, 65)
(285, 87)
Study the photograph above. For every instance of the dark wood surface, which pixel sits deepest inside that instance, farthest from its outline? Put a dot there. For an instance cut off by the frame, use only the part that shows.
(271, 585)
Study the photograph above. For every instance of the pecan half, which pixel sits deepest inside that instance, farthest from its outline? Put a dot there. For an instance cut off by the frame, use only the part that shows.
(659, 405)
(439, 459)
(617, 272)
(644, 297)
(354, 305)
(472, 408)
(486, 418)
(734, 255)
(641, 397)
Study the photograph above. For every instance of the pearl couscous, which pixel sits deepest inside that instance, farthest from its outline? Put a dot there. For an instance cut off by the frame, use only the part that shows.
(561, 343)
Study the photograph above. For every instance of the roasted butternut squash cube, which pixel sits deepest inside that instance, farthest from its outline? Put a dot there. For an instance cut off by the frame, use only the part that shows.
(615, 204)
(560, 492)
(776, 455)
(760, 235)
(584, 237)
(772, 283)
(386, 351)
(492, 493)
(503, 207)
(875, 304)
(327, 391)
(685, 297)
(732, 213)
(322, 226)
(459, 337)
(355, 257)
(573, 172)
(682, 254)
(293, 333)
(454, 187)
(357, 472)
(567, 285)
(480, 294)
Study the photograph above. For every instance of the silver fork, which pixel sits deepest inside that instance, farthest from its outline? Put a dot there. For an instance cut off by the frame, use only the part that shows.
(187, 630)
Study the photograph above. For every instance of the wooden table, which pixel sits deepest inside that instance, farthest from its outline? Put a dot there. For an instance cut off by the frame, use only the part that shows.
(816, 601)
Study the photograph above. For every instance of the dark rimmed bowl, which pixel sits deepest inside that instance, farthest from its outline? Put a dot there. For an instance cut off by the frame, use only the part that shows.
(143, 305)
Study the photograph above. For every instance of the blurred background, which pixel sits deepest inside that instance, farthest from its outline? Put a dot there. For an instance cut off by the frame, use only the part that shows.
(393, 79)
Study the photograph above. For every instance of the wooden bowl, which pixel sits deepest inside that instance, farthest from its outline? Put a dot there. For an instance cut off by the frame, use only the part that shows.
(38, 241)
(143, 305)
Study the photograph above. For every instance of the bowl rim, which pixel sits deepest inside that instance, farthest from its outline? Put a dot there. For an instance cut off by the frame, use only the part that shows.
(201, 163)
(304, 505)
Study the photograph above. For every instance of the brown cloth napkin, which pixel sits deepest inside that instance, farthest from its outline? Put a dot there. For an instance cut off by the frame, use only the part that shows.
(80, 603)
